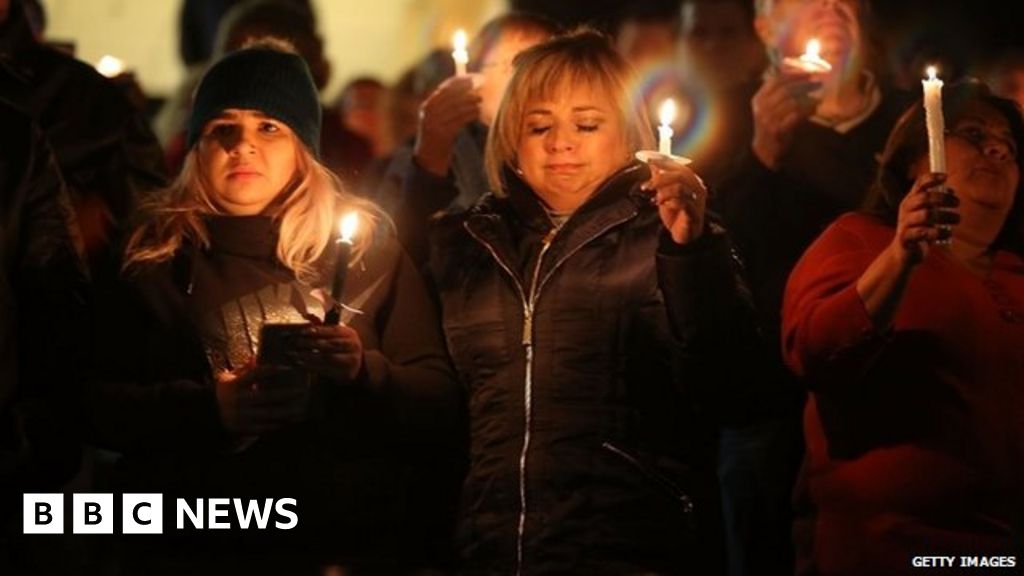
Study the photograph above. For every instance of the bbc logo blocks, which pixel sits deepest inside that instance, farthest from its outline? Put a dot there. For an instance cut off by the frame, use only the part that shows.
(43, 514)
(92, 514)
(144, 514)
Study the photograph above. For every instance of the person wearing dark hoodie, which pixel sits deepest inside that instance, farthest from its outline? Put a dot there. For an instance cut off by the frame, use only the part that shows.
(443, 170)
(354, 420)
(807, 154)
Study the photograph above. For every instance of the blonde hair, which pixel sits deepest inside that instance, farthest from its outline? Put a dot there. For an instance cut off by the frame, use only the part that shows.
(306, 211)
(582, 57)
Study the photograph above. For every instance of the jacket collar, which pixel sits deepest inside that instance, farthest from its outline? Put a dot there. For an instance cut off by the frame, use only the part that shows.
(621, 188)
(615, 201)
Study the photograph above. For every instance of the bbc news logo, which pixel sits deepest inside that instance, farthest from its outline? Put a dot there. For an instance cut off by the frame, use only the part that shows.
(144, 514)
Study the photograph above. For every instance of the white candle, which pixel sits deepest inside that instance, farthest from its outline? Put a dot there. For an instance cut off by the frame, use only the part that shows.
(347, 227)
(810, 61)
(667, 113)
(459, 54)
(935, 121)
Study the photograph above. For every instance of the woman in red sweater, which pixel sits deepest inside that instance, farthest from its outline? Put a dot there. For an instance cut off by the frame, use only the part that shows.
(907, 323)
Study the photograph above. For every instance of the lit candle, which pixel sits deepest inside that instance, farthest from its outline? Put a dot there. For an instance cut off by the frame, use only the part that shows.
(110, 66)
(667, 114)
(461, 57)
(810, 61)
(347, 230)
(935, 121)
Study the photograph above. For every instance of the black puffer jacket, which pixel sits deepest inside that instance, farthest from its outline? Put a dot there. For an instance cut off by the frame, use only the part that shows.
(573, 346)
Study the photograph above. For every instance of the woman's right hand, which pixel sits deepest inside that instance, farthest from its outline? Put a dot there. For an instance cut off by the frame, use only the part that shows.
(255, 399)
(778, 106)
(926, 215)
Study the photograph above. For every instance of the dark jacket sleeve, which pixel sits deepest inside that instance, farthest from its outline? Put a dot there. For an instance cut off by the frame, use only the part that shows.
(43, 293)
(410, 376)
(425, 194)
(133, 404)
(412, 195)
(712, 320)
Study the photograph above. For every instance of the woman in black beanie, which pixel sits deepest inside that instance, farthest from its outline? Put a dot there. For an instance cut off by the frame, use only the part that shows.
(338, 418)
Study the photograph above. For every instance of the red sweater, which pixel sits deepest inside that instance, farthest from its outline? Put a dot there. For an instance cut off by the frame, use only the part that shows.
(915, 437)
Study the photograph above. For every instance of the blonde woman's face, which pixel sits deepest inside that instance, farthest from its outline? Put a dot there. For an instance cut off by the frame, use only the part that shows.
(570, 145)
(246, 159)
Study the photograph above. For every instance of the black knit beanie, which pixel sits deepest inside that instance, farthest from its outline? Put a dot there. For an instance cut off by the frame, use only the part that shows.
(274, 82)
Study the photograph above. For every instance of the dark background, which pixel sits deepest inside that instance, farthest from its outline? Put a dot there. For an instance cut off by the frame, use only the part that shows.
(960, 32)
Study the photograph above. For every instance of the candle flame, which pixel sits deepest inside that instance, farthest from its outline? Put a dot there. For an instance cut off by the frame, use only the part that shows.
(347, 226)
(110, 66)
(667, 112)
(932, 73)
(459, 41)
(813, 49)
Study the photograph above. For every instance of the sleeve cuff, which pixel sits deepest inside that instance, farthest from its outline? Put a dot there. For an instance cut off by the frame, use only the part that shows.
(849, 321)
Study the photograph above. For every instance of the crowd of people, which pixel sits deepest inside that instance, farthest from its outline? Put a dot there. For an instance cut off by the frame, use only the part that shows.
(544, 348)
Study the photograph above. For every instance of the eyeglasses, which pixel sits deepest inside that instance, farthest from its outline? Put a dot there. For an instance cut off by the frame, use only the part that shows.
(977, 136)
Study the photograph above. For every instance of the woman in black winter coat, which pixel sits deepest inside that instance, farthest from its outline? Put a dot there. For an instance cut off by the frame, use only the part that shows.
(583, 305)
(344, 419)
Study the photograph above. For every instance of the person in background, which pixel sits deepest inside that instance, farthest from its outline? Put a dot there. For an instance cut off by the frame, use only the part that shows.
(802, 130)
(105, 151)
(198, 23)
(911, 349)
(1005, 74)
(721, 57)
(401, 119)
(719, 43)
(358, 422)
(361, 108)
(445, 171)
(647, 35)
(44, 294)
(587, 303)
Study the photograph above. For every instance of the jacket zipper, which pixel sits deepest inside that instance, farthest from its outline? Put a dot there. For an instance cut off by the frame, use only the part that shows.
(528, 396)
(529, 301)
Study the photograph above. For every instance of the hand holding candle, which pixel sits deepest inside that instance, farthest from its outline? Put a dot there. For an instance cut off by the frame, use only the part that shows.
(459, 54)
(347, 230)
(810, 61)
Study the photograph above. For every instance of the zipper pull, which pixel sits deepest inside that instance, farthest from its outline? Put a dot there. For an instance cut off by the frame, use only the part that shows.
(528, 329)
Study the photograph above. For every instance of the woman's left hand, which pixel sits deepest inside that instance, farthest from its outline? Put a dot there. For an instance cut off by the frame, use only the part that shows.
(681, 198)
(333, 352)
